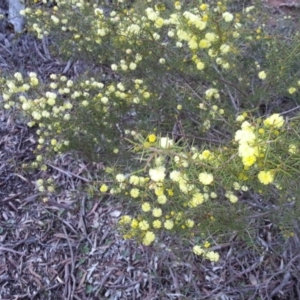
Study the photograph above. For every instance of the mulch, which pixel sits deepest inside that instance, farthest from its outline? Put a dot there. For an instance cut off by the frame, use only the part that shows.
(64, 245)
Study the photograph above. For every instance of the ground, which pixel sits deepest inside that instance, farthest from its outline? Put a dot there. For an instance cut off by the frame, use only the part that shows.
(67, 246)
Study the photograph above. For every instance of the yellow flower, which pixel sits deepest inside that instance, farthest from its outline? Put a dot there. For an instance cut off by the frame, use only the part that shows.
(206, 178)
(18, 76)
(156, 212)
(159, 22)
(228, 17)
(146, 207)
(200, 65)
(189, 223)
(198, 250)
(248, 161)
(103, 188)
(125, 220)
(120, 177)
(211, 37)
(143, 225)
(292, 148)
(262, 75)
(212, 256)
(169, 224)
(292, 90)
(162, 199)
(134, 193)
(274, 120)
(196, 200)
(233, 198)
(204, 43)
(156, 224)
(134, 223)
(224, 48)
(265, 177)
(206, 244)
(152, 138)
(203, 6)
(177, 5)
(166, 142)
(134, 180)
(157, 174)
(175, 176)
(205, 155)
(148, 238)
(132, 66)
(240, 118)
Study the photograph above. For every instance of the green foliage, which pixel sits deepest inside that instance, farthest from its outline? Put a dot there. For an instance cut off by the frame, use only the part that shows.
(188, 88)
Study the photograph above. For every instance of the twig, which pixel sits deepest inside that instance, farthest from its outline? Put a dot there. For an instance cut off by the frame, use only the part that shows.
(290, 110)
(46, 51)
(11, 250)
(72, 264)
(68, 173)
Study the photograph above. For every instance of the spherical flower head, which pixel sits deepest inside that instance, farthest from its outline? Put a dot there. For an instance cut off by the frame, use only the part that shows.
(168, 224)
(134, 29)
(162, 199)
(197, 199)
(227, 16)
(212, 93)
(152, 138)
(205, 155)
(292, 90)
(198, 250)
(189, 223)
(212, 256)
(193, 45)
(262, 75)
(240, 118)
(143, 225)
(204, 43)
(120, 178)
(158, 173)
(135, 180)
(200, 65)
(125, 220)
(18, 76)
(166, 143)
(224, 48)
(266, 177)
(103, 188)
(245, 137)
(51, 101)
(274, 120)
(114, 67)
(146, 207)
(213, 195)
(134, 224)
(104, 100)
(134, 193)
(177, 5)
(148, 238)
(248, 161)
(159, 22)
(233, 198)
(156, 212)
(206, 178)
(175, 176)
(211, 37)
(132, 66)
(156, 224)
(292, 148)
